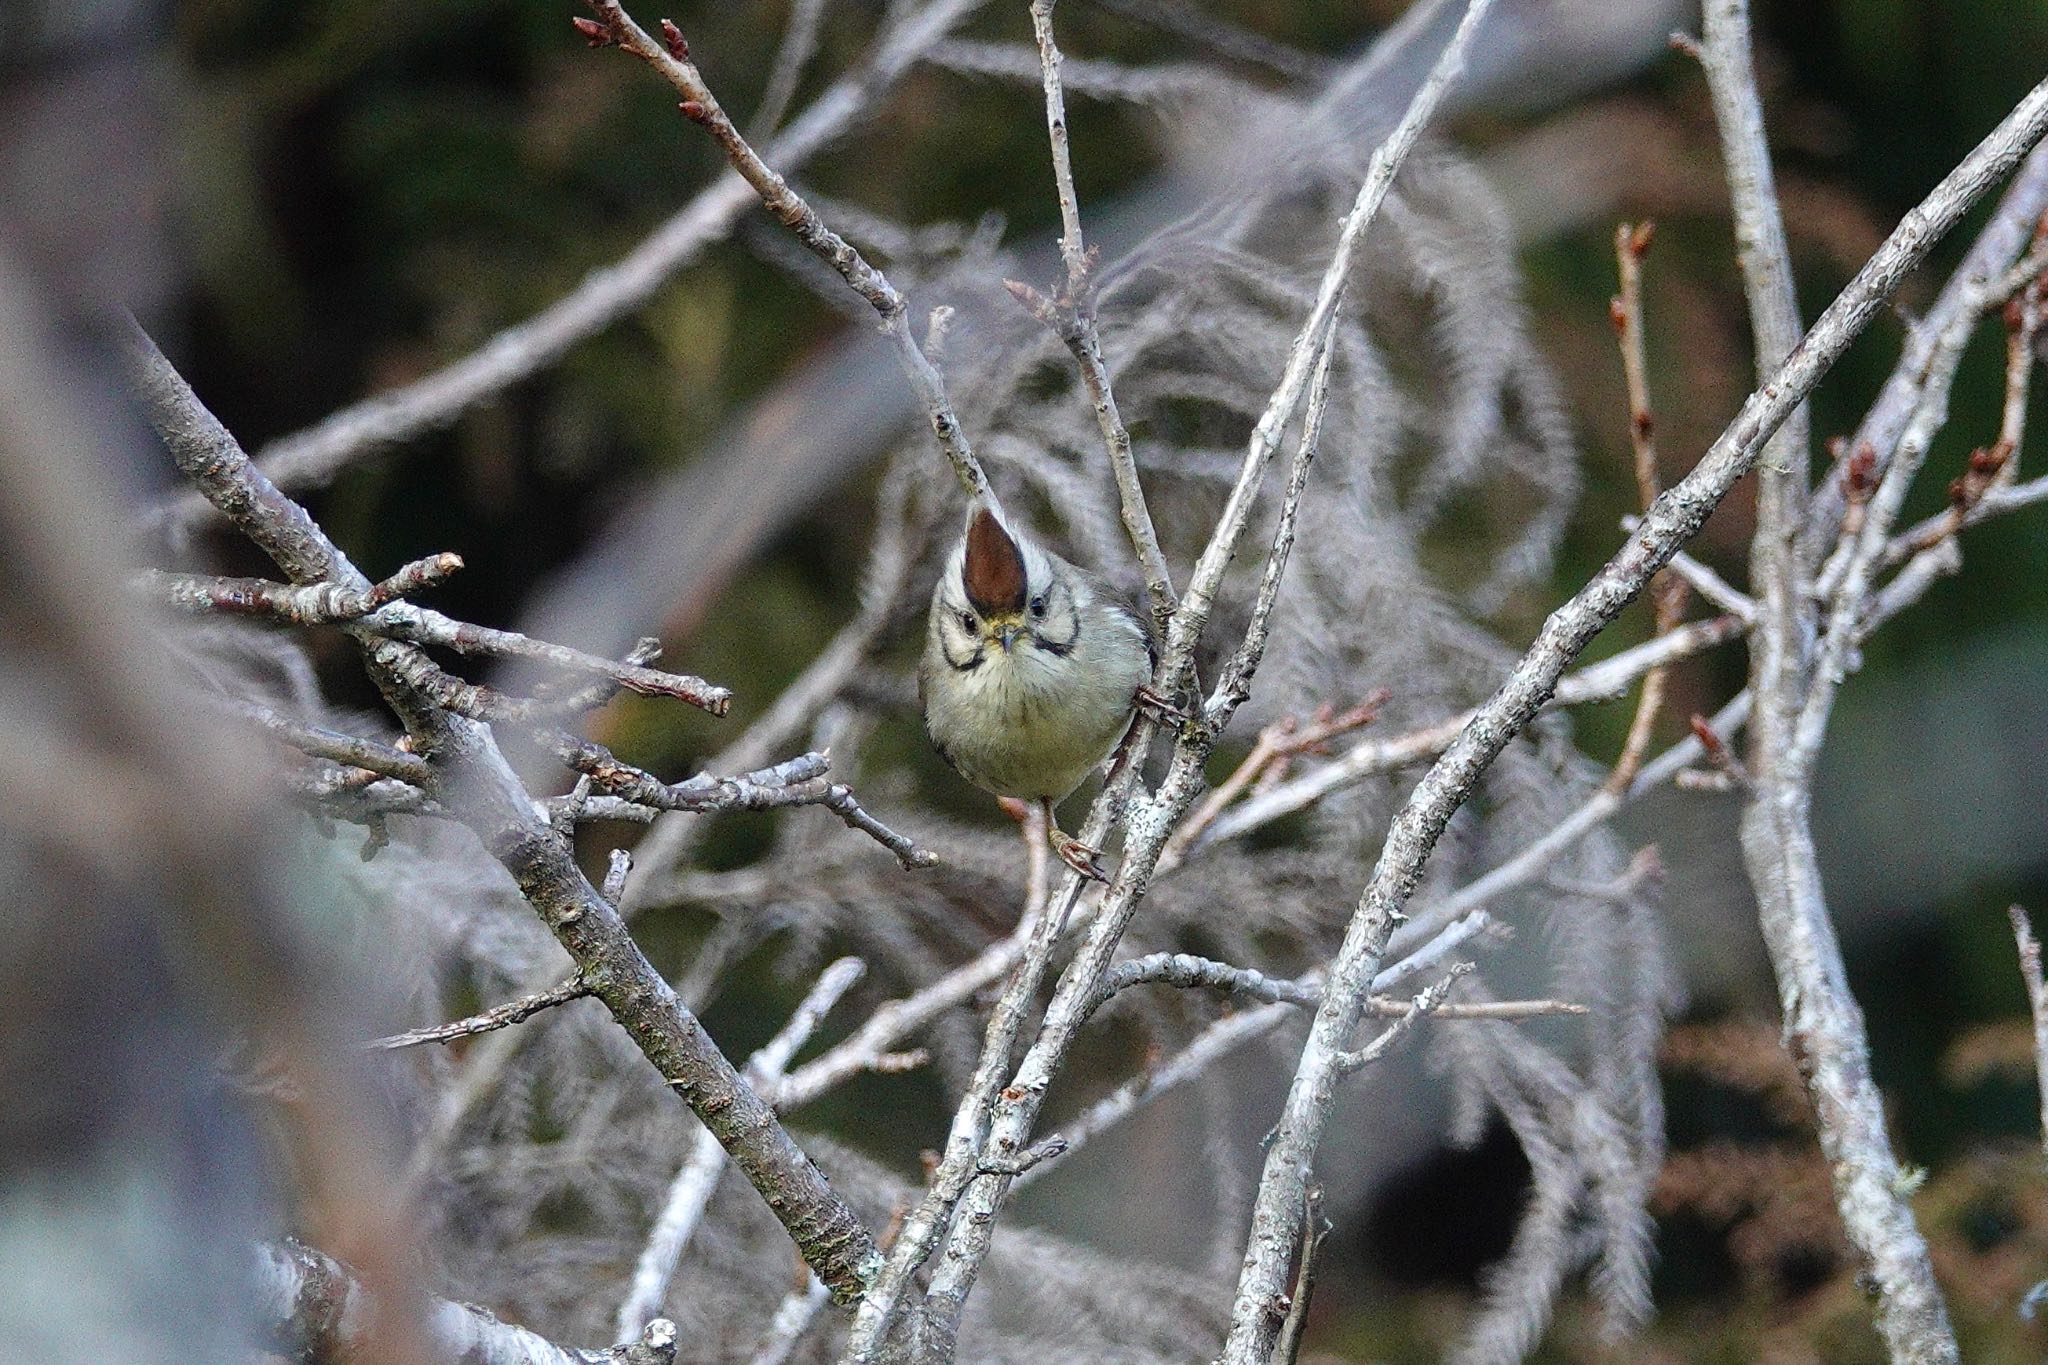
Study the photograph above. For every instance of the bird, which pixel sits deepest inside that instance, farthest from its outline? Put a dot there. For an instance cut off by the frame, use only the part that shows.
(1032, 670)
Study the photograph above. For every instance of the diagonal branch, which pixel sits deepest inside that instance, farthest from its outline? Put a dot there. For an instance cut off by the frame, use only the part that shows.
(310, 458)
(475, 783)
(1672, 519)
(671, 60)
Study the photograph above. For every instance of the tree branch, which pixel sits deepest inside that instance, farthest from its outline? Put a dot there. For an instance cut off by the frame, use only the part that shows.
(316, 1310)
(314, 456)
(1675, 516)
(671, 60)
(476, 784)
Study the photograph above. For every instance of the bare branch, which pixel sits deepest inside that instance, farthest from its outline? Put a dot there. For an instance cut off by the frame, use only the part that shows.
(1072, 318)
(314, 604)
(1429, 1001)
(1603, 681)
(691, 1191)
(2037, 1003)
(312, 457)
(318, 1311)
(1008, 1120)
(1675, 516)
(671, 60)
(481, 790)
(365, 755)
(1667, 590)
(799, 43)
(497, 1017)
(793, 1316)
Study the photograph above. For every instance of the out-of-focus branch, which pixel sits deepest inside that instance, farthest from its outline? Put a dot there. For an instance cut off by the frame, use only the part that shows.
(316, 1310)
(671, 60)
(1675, 516)
(2037, 1003)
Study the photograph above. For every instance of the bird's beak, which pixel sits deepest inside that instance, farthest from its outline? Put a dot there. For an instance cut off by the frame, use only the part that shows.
(1007, 635)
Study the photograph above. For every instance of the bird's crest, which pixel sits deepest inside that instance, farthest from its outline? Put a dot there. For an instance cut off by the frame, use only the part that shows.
(993, 570)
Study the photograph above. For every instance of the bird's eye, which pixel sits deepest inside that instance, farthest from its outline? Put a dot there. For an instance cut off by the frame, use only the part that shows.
(967, 622)
(1038, 606)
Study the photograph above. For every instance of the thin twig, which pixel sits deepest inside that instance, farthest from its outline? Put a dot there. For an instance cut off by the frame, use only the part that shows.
(1071, 315)
(1428, 1001)
(1667, 590)
(497, 1017)
(1594, 683)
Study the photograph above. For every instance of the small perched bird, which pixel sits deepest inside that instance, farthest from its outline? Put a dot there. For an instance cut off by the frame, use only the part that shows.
(1032, 667)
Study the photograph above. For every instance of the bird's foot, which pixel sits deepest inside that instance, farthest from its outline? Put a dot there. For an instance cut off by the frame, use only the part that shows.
(1163, 709)
(1078, 855)
(1020, 811)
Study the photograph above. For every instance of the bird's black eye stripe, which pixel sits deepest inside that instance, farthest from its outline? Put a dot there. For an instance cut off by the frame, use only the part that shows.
(1038, 605)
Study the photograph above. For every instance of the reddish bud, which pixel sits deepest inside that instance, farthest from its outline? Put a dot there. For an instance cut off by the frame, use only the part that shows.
(1617, 313)
(692, 110)
(2015, 314)
(1709, 739)
(1639, 240)
(594, 32)
(678, 46)
(1860, 473)
(1645, 426)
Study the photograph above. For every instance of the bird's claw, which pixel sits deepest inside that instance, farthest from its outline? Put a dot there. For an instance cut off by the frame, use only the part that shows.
(1161, 708)
(1079, 856)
